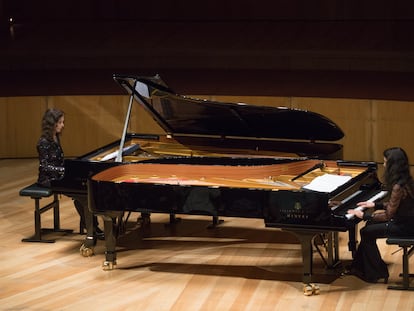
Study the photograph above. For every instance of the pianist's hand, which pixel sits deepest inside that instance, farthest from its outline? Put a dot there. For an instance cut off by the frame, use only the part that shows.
(358, 213)
(366, 204)
(359, 210)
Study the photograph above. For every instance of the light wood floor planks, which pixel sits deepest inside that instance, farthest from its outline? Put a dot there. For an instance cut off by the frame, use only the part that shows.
(239, 266)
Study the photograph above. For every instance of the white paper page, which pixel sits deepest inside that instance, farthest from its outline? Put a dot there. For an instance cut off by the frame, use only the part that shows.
(327, 182)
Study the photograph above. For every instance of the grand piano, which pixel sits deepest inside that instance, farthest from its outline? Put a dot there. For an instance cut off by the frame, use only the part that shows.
(223, 159)
(199, 130)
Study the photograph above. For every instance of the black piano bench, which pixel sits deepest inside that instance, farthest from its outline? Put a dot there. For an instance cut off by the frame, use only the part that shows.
(35, 192)
(407, 245)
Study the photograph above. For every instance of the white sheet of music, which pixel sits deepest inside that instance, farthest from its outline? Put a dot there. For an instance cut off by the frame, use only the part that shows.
(327, 182)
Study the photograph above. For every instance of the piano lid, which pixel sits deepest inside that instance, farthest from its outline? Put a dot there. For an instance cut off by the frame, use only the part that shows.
(181, 115)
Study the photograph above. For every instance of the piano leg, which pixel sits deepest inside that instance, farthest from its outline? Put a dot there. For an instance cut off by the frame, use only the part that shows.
(215, 222)
(144, 219)
(305, 238)
(335, 247)
(352, 240)
(173, 219)
(81, 204)
(110, 240)
(332, 248)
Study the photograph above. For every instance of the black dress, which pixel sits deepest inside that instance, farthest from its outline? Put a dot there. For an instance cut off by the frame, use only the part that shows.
(51, 167)
(395, 219)
(51, 161)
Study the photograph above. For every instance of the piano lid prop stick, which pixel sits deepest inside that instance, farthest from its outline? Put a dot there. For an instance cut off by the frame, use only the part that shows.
(127, 150)
(320, 165)
(122, 143)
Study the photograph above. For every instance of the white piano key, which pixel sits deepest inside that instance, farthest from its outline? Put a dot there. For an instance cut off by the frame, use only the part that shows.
(374, 198)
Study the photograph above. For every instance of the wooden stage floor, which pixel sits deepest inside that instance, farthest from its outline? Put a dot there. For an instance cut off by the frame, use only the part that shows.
(240, 265)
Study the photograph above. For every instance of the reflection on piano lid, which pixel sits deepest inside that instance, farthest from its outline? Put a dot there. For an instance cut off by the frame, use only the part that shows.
(181, 115)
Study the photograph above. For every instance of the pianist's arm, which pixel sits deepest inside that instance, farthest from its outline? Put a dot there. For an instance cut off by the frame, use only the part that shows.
(384, 211)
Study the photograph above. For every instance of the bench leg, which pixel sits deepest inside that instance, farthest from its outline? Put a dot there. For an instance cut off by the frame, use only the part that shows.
(56, 217)
(56, 213)
(405, 273)
(37, 237)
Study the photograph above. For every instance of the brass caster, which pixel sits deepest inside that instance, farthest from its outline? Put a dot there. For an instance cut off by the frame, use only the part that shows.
(108, 265)
(307, 290)
(311, 289)
(86, 251)
(316, 290)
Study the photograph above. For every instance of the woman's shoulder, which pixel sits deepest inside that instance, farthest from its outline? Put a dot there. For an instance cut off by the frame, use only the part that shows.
(397, 188)
(402, 185)
(44, 140)
(401, 190)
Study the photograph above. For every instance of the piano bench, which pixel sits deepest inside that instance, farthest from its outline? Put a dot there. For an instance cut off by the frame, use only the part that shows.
(407, 245)
(36, 192)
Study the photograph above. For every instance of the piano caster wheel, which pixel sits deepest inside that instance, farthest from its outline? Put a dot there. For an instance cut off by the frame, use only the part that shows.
(86, 251)
(311, 289)
(108, 265)
(307, 290)
(316, 290)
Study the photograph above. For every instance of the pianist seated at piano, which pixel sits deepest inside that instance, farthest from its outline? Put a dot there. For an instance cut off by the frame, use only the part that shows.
(391, 218)
(51, 161)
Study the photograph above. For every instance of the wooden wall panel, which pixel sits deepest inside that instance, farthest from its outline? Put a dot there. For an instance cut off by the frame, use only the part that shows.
(393, 126)
(90, 121)
(353, 116)
(142, 122)
(94, 121)
(370, 126)
(20, 125)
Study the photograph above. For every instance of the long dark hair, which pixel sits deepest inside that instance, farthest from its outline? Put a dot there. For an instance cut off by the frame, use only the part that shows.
(49, 121)
(397, 170)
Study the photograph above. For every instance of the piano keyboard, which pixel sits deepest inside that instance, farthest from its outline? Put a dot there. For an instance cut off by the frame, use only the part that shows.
(376, 197)
(355, 194)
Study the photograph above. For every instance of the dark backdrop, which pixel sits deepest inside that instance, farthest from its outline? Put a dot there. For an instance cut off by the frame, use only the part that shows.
(331, 48)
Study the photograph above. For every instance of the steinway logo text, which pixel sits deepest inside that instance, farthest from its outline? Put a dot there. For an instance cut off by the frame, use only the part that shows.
(296, 212)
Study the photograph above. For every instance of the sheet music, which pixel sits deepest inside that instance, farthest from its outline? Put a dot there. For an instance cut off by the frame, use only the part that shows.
(327, 182)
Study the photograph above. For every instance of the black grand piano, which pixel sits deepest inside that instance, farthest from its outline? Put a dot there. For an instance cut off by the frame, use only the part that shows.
(223, 159)
(199, 130)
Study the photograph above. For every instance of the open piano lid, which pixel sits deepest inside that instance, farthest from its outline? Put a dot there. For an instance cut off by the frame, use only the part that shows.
(180, 115)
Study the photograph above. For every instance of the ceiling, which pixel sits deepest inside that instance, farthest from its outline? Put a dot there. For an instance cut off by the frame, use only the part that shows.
(342, 48)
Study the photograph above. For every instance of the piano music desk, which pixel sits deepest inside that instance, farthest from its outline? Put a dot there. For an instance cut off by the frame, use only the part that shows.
(37, 193)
